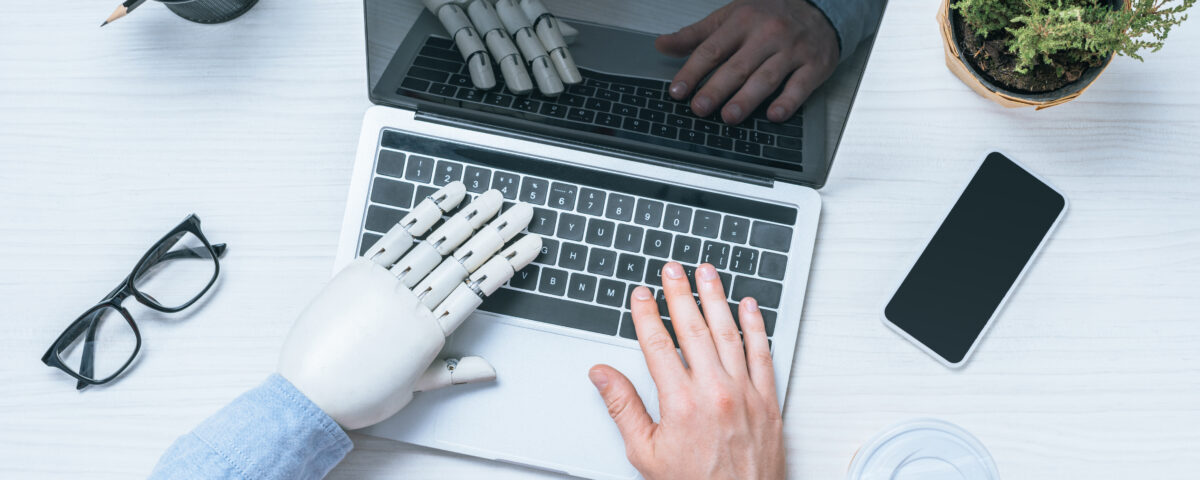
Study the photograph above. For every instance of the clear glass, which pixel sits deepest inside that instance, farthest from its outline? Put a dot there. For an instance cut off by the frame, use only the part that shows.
(177, 272)
(113, 344)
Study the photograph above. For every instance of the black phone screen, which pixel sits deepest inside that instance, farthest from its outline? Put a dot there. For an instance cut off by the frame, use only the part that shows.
(975, 258)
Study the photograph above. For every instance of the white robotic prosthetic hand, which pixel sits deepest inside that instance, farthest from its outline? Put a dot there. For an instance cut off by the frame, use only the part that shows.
(366, 343)
(542, 40)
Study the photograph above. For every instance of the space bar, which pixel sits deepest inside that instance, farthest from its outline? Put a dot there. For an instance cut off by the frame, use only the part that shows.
(540, 308)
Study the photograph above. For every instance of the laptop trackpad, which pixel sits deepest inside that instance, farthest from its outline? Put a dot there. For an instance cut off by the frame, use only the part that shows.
(542, 410)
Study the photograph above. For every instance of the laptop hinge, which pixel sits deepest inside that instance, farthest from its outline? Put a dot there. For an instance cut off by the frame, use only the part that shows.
(455, 121)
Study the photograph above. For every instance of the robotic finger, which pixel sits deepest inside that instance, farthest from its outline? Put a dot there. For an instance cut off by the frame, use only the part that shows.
(467, 296)
(512, 66)
(487, 241)
(551, 35)
(455, 371)
(419, 261)
(521, 29)
(402, 235)
(468, 40)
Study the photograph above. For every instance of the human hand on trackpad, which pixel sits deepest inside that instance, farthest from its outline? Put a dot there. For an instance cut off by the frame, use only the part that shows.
(719, 414)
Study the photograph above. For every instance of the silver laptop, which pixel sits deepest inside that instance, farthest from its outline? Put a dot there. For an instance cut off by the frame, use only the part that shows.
(623, 179)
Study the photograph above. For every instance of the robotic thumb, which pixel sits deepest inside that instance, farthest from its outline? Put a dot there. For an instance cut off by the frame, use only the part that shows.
(569, 33)
(455, 371)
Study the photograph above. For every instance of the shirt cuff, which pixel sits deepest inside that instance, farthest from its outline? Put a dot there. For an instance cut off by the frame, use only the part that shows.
(275, 432)
(853, 20)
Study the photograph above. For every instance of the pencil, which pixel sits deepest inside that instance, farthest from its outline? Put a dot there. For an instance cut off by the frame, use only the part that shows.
(122, 10)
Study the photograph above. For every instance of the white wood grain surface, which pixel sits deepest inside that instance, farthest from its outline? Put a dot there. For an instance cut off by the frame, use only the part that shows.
(108, 137)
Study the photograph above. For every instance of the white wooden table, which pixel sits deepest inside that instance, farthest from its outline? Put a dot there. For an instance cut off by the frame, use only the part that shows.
(108, 137)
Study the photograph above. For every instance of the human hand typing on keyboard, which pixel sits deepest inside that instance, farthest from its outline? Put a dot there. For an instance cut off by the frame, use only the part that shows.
(365, 344)
(751, 47)
(719, 414)
(541, 38)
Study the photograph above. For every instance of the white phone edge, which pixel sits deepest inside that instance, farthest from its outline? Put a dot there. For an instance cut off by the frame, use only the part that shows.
(1011, 288)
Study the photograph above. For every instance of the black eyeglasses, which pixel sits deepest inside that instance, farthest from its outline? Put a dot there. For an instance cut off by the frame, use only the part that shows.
(179, 269)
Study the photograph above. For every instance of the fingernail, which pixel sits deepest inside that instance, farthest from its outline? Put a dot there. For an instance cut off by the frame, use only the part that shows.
(673, 270)
(641, 293)
(678, 89)
(598, 378)
(735, 112)
(703, 106)
(778, 113)
(707, 272)
(751, 305)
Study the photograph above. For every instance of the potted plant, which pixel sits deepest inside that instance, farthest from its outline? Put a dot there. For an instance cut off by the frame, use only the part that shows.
(1046, 52)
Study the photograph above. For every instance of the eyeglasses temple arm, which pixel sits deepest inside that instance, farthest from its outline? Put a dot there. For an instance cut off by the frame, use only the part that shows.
(86, 365)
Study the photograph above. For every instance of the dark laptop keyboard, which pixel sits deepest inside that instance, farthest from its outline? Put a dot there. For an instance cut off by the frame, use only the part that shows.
(634, 108)
(603, 233)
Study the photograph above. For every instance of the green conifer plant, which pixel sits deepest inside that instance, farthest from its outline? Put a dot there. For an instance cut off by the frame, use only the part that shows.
(1064, 35)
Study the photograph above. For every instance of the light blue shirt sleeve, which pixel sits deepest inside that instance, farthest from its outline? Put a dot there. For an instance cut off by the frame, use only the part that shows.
(270, 432)
(854, 20)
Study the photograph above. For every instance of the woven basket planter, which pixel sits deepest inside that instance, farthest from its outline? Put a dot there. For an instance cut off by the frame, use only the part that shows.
(958, 63)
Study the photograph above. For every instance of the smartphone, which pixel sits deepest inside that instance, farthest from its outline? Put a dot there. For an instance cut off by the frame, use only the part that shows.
(970, 266)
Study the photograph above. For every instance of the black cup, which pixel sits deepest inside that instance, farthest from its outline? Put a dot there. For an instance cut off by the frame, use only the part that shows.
(209, 11)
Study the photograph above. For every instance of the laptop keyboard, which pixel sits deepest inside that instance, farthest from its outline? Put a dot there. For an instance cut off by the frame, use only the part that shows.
(627, 107)
(603, 233)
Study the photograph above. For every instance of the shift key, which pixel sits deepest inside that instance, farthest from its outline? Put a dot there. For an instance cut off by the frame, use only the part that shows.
(554, 311)
(766, 293)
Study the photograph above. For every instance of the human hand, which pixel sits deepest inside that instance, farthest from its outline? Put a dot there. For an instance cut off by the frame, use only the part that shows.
(538, 34)
(364, 345)
(753, 46)
(719, 414)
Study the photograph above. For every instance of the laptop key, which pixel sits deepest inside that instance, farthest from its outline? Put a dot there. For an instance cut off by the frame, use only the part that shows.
(598, 104)
(424, 191)
(772, 265)
(624, 110)
(582, 287)
(686, 249)
(770, 236)
(691, 136)
(527, 104)
(665, 131)
(562, 196)
(658, 243)
(636, 125)
(660, 106)
(706, 223)
(779, 129)
(761, 138)
(368, 240)
(708, 127)
(678, 219)
(631, 267)
(461, 81)
(447, 172)
(572, 256)
(381, 219)
(653, 276)
(679, 122)
(600, 232)
(717, 141)
(608, 95)
(442, 90)
(469, 94)
(648, 93)
(392, 193)
(420, 169)
(581, 115)
(553, 281)
(572, 100)
(602, 262)
(716, 254)
(629, 238)
(648, 213)
(726, 281)
(390, 163)
(549, 253)
(610, 292)
(608, 120)
(553, 311)
(533, 190)
(633, 100)
(744, 260)
(571, 227)
(767, 315)
(526, 278)
(765, 292)
(591, 202)
(620, 207)
(652, 115)
(437, 64)
(414, 84)
(746, 148)
(543, 221)
(506, 183)
(554, 110)
(582, 89)
(735, 229)
(477, 179)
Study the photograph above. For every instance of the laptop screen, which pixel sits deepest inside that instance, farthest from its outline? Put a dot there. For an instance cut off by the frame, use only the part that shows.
(389, 22)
